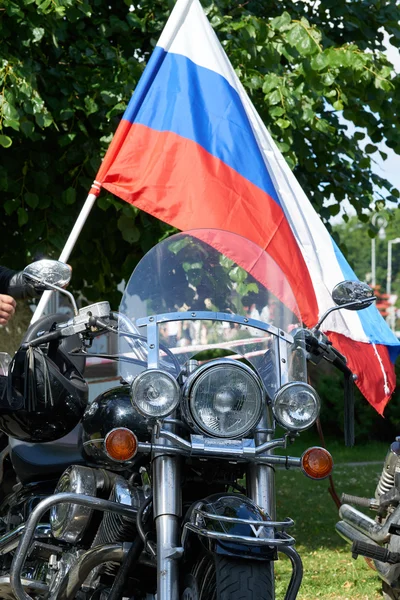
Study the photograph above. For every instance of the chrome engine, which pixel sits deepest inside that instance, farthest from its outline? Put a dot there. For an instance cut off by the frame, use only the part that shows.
(54, 558)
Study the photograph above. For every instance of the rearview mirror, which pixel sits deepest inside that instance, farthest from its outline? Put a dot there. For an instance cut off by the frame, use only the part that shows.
(51, 272)
(348, 292)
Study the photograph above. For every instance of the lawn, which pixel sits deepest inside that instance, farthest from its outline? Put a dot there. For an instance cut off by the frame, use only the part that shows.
(329, 570)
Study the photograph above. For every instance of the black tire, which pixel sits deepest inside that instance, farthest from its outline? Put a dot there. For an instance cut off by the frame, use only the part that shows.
(228, 578)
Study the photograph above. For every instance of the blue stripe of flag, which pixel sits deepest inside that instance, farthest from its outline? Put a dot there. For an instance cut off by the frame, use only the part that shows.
(174, 94)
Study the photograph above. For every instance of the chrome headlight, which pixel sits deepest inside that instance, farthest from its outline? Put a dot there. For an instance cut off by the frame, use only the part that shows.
(296, 406)
(223, 398)
(155, 393)
(69, 521)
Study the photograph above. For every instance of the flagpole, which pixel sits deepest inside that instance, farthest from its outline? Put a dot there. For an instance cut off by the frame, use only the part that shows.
(65, 254)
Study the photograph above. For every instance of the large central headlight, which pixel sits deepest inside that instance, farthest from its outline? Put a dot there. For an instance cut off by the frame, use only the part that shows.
(223, 398)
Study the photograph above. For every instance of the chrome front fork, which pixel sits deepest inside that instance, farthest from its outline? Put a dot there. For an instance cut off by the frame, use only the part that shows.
(261, 478)
(167, 507)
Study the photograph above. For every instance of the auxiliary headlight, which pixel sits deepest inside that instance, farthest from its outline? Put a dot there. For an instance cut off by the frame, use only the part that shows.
(155, 393)
(69, 521)
(296, 406)
(223, 398)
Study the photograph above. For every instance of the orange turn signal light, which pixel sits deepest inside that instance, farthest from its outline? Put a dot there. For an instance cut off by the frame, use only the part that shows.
(121, 444)
(317, 463)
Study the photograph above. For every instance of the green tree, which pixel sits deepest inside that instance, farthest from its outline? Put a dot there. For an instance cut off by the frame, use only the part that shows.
(68, 68)
(356, 244)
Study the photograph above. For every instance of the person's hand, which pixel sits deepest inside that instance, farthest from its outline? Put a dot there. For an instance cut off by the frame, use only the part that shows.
(7, 308)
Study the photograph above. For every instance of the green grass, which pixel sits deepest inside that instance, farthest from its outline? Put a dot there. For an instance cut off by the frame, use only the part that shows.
(329, 570)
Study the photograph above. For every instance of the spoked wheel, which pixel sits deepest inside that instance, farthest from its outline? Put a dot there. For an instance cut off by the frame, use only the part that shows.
(226, 578)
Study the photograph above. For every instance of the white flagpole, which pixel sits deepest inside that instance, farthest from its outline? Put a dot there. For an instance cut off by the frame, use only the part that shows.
(65, 254)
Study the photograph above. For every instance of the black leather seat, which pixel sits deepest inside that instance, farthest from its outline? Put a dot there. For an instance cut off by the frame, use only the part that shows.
(35, 462)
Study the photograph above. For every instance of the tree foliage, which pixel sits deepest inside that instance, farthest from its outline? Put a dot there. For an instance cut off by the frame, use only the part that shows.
(67, 71)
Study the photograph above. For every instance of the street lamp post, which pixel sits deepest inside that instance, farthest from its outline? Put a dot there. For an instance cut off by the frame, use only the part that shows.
(389, 280)
(378, 221)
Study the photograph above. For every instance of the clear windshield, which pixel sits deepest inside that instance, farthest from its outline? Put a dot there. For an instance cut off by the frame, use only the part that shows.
(210, 293)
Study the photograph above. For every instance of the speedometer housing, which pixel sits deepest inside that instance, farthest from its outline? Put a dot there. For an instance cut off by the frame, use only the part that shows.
(223, 398)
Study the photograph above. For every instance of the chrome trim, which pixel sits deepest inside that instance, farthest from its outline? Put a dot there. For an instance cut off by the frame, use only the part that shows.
(261, 475)
(10, 540)
(167, 509)
(153, 358)
(241, 450)
(297, 571)
(283, 359)
(242, 539)
(275, 524)
(70, 524)
(30, 527)
(93, 558)
(366, 525)
(37, 588)
(206, 315)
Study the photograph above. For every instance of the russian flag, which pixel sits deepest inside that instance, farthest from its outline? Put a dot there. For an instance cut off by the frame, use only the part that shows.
(192, 151)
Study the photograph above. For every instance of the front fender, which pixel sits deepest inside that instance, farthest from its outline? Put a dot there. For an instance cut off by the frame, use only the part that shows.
(229, 524)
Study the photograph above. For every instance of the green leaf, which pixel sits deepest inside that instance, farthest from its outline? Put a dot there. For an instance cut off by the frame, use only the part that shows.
(27, 128)
(327, 79)
(69, 195)
(283, 123)
(271, 82)
(43, 119)
(5, 141)
(251, 30)
(66, 139)
(11, 206)
(66, 113)
(282, 22)
(32, 200)
(22, 217)
(274, 97)
(370, 148)
(334, 209)
(359, 135)
(319, 61)
(44, 6)
(11, 123)
(277, 111)
(130, 232)
(9, 111)
(90, 106)
(338, 105)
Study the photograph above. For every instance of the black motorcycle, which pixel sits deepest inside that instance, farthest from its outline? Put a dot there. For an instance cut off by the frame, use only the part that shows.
(162, 487)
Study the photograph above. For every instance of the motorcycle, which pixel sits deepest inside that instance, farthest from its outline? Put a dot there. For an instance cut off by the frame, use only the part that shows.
(377, 540)
(162, 487)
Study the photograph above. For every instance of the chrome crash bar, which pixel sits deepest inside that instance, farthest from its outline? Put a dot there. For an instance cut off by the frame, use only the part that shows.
(258, 527)
(33, 520)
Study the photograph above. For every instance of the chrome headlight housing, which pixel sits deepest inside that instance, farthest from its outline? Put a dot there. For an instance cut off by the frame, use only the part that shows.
(223, 398)
(69, 521)
(155, 393)
(296, 406)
